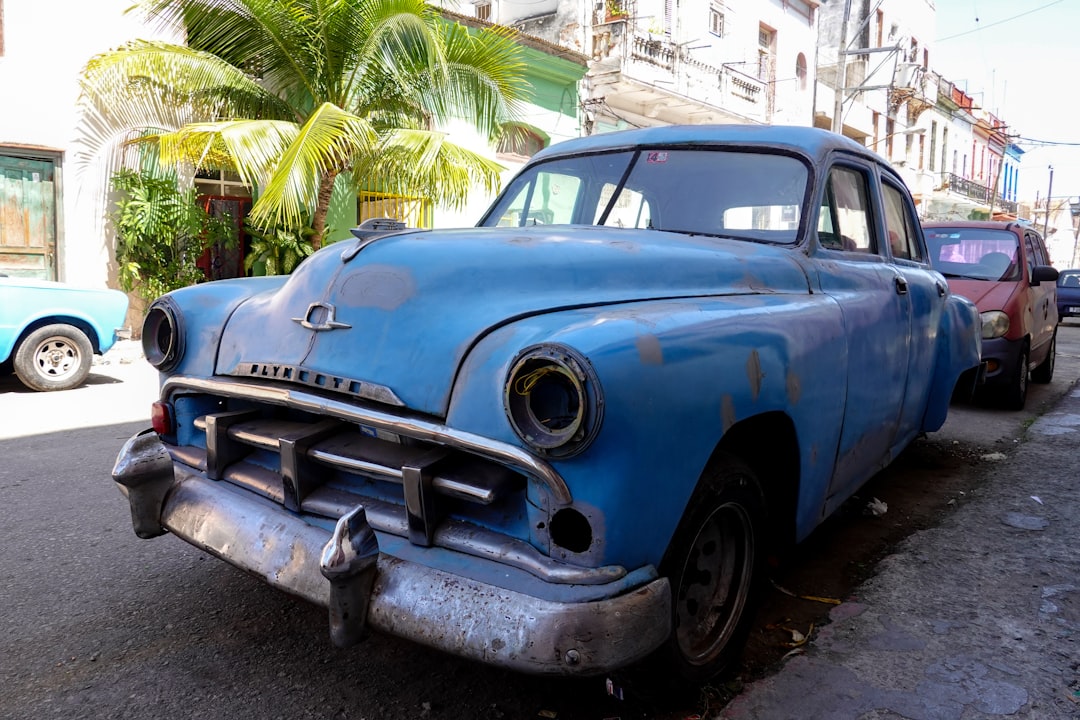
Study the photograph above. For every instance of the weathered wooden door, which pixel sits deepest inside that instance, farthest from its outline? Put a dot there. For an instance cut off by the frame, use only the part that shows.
(27, 217)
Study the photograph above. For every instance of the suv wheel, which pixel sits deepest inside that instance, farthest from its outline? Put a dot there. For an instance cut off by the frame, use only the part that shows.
(1014, 395)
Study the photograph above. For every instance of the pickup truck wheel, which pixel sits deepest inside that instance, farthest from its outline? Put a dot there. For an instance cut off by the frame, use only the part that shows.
(1044, 373)
(54, 357)
(715, 564)
(1014, 395)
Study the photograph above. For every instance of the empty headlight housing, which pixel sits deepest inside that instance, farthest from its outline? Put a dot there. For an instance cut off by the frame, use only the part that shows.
(553, 400)
(163, 335)
(995, 324)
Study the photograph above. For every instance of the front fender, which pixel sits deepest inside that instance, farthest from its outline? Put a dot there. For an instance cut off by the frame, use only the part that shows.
(958, 350)
(676, 375)
(206, 309)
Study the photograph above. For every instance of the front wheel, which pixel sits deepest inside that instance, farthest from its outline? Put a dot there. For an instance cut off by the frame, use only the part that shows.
(715, 565)
(54, 357)
(1014, 394)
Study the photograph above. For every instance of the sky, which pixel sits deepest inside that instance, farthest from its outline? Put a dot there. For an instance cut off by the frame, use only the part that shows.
(1020, 61)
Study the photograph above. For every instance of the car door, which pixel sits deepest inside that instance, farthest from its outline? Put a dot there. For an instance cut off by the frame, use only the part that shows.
(1043, 296)
(926, 291)
(873, 345)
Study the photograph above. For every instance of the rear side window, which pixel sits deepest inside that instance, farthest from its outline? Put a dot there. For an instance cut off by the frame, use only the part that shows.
(903, 237)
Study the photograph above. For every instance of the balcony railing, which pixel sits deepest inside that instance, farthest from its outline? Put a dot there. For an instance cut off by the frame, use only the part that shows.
(1008, 206)
(975, 191)
(967, 188)
(665, 65)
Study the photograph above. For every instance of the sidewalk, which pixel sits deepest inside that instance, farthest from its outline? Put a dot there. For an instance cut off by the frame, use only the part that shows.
(976, 618)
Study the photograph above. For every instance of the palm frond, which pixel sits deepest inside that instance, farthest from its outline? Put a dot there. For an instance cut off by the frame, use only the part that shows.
(426, 164)
(250, 147)
(324, 145)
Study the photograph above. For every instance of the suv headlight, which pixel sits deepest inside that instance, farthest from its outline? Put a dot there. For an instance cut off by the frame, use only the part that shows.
(163, 335)
(995, 324)
(553, 400)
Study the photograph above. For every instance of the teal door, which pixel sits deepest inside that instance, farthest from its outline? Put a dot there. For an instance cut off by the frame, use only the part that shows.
(27, 217)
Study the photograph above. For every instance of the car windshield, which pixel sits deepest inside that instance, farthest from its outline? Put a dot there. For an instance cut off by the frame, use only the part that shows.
(974, 253)
(1069, 279)
(747, 195)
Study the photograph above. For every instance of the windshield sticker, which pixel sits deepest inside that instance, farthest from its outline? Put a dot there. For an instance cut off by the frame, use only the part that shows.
(656, 157)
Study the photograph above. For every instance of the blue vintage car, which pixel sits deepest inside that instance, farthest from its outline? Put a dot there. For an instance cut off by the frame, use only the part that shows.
(50, 332)
(565, 440)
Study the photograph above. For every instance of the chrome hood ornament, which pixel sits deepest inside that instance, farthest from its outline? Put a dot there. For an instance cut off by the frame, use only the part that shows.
(319, 317)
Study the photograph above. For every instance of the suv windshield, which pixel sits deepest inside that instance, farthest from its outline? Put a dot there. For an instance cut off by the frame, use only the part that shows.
(746, 195)
(973, 253)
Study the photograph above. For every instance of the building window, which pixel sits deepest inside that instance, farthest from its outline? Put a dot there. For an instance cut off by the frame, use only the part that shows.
(519, 142)
(933, 144)
(220, 183)
(483, 11)
(716, 19)
(944, 148)
(800, 71)
(801, 7)
(414, 212)
(766, 45)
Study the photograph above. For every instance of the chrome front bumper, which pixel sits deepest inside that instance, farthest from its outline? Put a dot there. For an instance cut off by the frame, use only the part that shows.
(344, 572)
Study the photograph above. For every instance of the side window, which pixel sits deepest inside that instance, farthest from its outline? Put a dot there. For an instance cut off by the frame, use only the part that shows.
(1041, 254)
(1029, 251)
(844, 220)
(903, 237)
(549, 200)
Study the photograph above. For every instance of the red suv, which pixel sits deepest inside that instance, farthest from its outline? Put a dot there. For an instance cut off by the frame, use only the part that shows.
(1003, 267)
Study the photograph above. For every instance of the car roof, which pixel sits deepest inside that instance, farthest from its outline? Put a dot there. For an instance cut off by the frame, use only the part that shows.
(981, 225)
(814, 142)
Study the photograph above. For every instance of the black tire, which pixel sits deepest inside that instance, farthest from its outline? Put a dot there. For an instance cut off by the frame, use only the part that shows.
(715, 566)
(54, 357)
(1044, 373)
(1014, 394)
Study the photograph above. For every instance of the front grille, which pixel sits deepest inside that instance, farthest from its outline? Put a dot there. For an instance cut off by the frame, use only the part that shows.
(415, 479)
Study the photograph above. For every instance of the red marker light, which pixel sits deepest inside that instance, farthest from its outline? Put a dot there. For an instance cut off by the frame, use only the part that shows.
(161, 417)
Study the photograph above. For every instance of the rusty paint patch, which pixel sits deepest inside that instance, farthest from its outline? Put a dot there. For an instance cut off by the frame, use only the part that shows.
(754, 372)
(727, 412)
(794, 387)
(383, 287)
(649, 350)
(625, 245)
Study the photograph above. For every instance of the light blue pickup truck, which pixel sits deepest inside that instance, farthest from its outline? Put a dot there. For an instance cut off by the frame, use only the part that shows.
(565, 440)
(49, 331)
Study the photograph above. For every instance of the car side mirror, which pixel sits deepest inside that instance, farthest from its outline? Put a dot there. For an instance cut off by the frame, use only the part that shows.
(1044, 273)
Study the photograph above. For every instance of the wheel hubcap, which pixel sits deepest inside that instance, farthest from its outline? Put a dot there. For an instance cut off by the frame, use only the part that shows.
(714, 584)
(56, 358)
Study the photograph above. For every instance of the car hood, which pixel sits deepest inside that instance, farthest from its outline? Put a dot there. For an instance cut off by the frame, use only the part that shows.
(394, 321)
(986, 294)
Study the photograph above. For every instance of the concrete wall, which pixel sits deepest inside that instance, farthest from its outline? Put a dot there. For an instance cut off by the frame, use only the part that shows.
(46, 45)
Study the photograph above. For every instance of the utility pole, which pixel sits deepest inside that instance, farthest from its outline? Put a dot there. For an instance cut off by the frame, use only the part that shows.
(1049, 195)
(841, 73)
(1000, 167)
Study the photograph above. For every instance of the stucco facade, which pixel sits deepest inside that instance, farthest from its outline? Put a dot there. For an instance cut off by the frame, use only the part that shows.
(45, 47)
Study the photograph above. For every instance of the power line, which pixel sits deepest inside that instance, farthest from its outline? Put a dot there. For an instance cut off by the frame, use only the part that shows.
(1060, 143)
(999, 22)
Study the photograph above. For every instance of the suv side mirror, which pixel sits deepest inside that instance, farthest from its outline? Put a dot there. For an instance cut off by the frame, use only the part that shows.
(1043, 273)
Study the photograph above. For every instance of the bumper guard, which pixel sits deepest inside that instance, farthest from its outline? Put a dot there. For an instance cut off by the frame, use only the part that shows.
(344, 572)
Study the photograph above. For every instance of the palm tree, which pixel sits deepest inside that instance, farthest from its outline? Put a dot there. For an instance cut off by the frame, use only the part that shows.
(294, 95)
